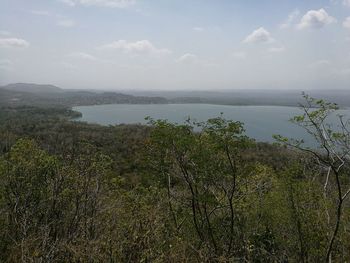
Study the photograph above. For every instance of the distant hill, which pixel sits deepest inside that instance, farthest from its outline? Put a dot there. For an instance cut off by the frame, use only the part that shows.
(49, 95)
(12, 97)
(250, 97)
(33, 88)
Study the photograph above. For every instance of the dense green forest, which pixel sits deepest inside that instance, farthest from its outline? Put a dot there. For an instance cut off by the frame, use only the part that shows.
(192, 192)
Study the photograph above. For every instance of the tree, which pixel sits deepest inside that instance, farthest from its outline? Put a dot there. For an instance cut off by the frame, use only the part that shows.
(332, 154)
(204, 160)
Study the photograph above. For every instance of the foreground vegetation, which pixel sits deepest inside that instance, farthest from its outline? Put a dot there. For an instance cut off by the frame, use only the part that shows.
(73, 192)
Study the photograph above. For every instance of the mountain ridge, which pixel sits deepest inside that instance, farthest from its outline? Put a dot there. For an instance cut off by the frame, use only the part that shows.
(32, 88)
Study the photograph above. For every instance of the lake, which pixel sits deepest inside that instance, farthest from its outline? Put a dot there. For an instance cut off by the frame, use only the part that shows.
(261, 122)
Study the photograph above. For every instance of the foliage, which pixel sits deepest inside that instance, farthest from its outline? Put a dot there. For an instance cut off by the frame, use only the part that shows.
(192, 192)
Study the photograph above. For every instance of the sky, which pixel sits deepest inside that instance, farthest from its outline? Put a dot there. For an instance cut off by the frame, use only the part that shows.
(176, 44)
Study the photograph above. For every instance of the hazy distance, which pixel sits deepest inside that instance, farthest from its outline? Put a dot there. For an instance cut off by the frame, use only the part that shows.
(134, 45)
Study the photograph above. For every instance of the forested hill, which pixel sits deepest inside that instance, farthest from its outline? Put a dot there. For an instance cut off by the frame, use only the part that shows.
(79, 192)
(48, 95)
(24, 94)
(33, 88)
(250, 97)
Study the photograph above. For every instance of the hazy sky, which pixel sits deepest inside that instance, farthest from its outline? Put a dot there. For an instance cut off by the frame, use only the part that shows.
(176, 44)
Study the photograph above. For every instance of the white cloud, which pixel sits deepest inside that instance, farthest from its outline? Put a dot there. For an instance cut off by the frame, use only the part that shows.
(261, 35)
(69, 66)
(40, 12)
(344, 72)
(346, 23)
(320, 64)
(4, 33)
(213, 29)
(6, 64)
(138, 47)
(346, 3)
(239, 55)
(13, 43)
(68, 2)
(291, 17)
(316, 19)
(191, 59)
(187, 58)
(198, 29)
(66, 23)
(82, 55)
(277, 49)
(102, 3)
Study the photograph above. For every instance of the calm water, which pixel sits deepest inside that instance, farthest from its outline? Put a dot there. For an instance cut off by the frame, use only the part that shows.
(261, 122)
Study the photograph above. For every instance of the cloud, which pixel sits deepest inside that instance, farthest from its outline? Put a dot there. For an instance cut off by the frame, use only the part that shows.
(82, 55)
(344, 72)
(198, 29)
(320, 64)
(13, 43)
(277, 49)
(316, 19)
(69, 66)
(187, 58)
(138, 47)
(261, 35)
(192, 59)
(68, 2)
(346, 23)
(291, 17)
(40, 12)
(102, 3)
(346, 3)
(66, 23)
(213, 29)
(6, 64)
(4, 33)
(239, 55)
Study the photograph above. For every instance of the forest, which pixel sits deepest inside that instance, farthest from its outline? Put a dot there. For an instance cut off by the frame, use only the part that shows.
(27, 94)
(164, 192)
